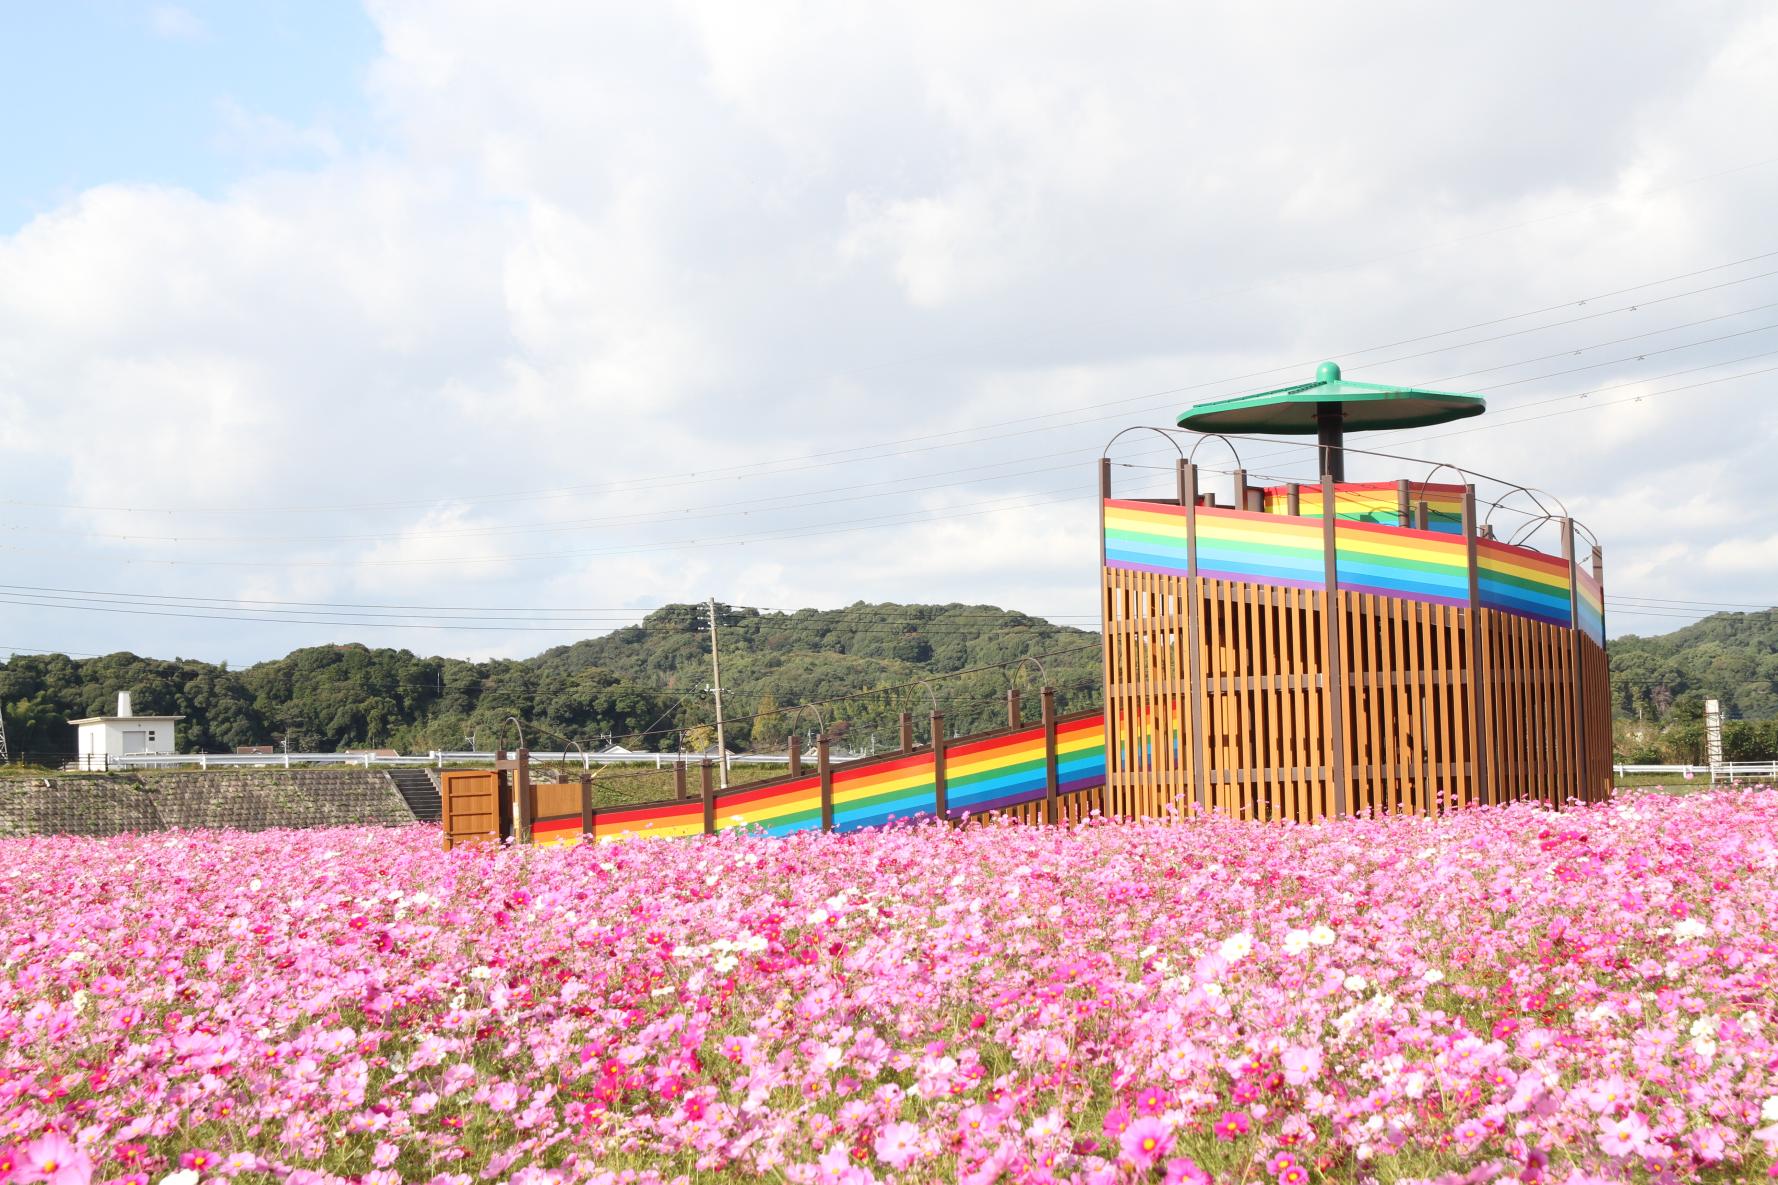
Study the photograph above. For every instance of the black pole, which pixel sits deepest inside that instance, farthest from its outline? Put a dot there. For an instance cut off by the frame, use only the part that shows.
(1331, 436)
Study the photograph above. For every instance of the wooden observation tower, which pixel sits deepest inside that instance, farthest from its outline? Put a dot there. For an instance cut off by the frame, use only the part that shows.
(1336, 648)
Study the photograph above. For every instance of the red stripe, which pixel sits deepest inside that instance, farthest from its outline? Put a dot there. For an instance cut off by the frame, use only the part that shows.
(742, 797)
(659, 811)
(989, 744)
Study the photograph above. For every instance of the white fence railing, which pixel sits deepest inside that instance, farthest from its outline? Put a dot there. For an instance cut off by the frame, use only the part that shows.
(436, 759)
(1725, 771)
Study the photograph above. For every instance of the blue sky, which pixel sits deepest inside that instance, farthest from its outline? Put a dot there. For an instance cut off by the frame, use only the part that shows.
(112, 90)
(593, 305)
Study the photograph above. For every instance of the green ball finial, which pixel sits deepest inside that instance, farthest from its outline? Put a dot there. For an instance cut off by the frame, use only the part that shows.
(1328, 372)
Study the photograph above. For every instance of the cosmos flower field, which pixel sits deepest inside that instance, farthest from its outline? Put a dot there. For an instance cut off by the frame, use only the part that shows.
(1510, 994)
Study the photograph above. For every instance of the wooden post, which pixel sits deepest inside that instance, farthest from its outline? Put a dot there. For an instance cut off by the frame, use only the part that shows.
(907, 732)
(679, 790)
(527, 796)
(503, 795)
(1599, 579)
(586, 805)
(1335, 663)
(1052, 809)
(1240, 489)
(1574, 656)
(707, 771)
(1194, 692)
(1423, 517)
(1014, 716)
(1402, 496)
(794, 745)
(1293, 500)
(940, 803)
(1105, 604)
(1481, 682)
(826, 773)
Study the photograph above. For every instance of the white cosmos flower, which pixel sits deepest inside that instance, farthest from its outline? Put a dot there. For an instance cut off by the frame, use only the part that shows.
(1354, 983)
(1296, 942)
(1321, 936)
(182, 1177)
(1237, 946)
(1433, 975)
(1768, 1110)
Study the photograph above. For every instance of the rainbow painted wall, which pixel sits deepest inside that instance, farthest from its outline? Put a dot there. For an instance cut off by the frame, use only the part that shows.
(1376, 502)
(1590, 605)
(1401, 562)
(1371, 557)
(982, 774)
(1519, 580)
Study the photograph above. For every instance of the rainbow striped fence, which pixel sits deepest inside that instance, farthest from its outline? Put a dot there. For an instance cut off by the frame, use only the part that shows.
(1290, 551)
(1042, 763)
(1378, 502)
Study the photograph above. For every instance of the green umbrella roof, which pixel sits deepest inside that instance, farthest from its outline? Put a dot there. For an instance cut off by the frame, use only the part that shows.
(1363, 406)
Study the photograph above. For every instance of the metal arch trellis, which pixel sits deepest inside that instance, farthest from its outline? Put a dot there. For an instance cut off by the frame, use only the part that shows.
(1042, 672)
(797, 715)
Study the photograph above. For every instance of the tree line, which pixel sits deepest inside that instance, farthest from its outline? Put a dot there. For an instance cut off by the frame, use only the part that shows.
(645, 687)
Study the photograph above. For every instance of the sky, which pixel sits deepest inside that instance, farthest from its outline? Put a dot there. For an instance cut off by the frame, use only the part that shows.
(475, 329)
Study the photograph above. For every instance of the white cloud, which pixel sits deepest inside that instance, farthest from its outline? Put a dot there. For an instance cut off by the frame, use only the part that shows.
(607, 260)
(174, 23)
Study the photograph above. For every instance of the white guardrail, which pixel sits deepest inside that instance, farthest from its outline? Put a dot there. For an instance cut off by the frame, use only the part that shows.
(1731, 771)
(436, 759)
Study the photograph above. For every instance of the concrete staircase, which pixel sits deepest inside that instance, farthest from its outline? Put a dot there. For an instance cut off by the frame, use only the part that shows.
(418, 789)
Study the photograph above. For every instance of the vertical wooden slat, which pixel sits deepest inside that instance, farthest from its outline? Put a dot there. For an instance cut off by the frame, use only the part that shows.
(707, 770)
(1335, 668)
(1478, 671)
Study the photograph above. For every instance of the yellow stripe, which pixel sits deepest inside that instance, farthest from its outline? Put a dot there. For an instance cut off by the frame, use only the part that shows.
(976, 762)
(864, 788)
(1268, 534)
(1423, 550)
(1499, 563)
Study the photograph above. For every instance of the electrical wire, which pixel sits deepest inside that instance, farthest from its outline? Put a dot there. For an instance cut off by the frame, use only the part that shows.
(884, 448)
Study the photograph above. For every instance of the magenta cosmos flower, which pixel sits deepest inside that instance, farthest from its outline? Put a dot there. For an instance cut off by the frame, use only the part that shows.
(1146, 1141)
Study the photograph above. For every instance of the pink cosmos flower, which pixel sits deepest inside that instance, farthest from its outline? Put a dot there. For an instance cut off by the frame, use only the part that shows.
(198, 1159)
(1624, 1136)
(898, 1145)
(1302, 1065)
(53, 1160)
(1152, 1101)
(1117, 1122)
(1183, 1170)
(1233, 1125)
(1146, 1141)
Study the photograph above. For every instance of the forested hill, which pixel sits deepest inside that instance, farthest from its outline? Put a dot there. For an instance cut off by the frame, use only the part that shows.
(1731, 657)
(637, 686)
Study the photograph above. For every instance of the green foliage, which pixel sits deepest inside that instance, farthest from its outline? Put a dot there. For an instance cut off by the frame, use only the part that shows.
(636, 686)
(1730, 657)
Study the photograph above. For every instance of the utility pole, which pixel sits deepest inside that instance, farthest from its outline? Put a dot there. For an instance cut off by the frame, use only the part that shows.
(716, 678)
(3, 758)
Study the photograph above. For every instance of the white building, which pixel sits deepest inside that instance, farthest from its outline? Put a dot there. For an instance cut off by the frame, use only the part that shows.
(103, 740)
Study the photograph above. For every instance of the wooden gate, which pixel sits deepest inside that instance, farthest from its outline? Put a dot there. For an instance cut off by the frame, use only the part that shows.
(475, 807)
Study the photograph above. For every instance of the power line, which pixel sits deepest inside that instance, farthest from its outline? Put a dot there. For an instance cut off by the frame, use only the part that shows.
(758, 468)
